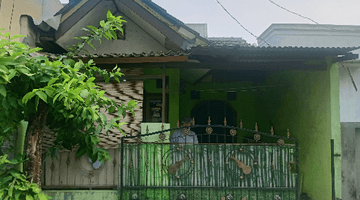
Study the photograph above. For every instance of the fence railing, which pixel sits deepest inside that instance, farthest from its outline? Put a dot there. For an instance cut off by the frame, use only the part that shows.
(240, 166)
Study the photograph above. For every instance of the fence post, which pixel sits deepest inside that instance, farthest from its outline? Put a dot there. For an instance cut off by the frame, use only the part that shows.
(332, 169)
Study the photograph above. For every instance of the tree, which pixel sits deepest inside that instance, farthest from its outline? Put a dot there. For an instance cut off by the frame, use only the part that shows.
(60, 94)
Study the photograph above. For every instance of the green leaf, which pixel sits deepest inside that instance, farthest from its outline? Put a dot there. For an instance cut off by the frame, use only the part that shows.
(95, 140)
(2, 193)
(65, 76)
(5, 179)
(17, 175)
(17, 194)
(108, 14)
(113, 34)
(80, 152)
(17, 36)
(28, 96)
(98, 129)
(124, 113)
(42, 196)
(11, 188)
(90, 80)
(112, 109)
(85, 38)
(4, 69)
(92, 28)
(52, 81)
(56, 96)
(84, 93)
(103, 118)
(3, 90)
(42, 95)
(45, 79)
(28, 197)
(35, 50)
(12, 73)
(7, 34)
(35, 188)
(36, 102)
(102, 23)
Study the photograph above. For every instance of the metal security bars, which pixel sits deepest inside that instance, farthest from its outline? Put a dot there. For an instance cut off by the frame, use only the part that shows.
(264, 166)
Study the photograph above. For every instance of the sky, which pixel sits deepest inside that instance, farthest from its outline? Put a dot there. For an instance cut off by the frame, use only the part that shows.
(258, 15)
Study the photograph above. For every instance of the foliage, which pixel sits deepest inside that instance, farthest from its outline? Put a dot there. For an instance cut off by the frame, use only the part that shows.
(66, 86)
(15, 185)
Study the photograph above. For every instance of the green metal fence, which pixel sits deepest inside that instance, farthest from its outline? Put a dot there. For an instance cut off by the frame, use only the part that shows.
(252, 170)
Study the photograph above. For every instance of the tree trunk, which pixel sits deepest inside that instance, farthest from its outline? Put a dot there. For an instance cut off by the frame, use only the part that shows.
(33, 141)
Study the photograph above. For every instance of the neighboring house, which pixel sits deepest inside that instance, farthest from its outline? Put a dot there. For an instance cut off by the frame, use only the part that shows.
(33, 18)
(288, 92)
(347, 182)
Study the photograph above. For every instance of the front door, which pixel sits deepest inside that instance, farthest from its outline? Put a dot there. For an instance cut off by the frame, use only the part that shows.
(217, 110)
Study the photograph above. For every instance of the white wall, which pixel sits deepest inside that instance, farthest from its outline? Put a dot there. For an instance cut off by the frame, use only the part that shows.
(201, 28)
(349, 98)
(310, 35)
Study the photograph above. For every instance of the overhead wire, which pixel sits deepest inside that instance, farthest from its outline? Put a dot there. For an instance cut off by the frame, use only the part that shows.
(241, 24)
(348, 69)
(293, 12)
(304, 17)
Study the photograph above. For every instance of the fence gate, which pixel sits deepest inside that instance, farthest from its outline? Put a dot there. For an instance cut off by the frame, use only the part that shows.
(246, 165)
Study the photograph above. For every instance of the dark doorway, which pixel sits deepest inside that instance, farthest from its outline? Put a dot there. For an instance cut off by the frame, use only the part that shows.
(217, 110)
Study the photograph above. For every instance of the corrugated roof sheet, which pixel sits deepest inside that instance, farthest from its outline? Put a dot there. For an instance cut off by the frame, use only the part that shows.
(228, 41)
(117, 55)
(270, 50)
(237, 52)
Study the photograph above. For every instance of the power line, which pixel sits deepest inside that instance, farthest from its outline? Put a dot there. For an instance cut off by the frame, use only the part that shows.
(302, 16)
(293, 12)
(241, 24)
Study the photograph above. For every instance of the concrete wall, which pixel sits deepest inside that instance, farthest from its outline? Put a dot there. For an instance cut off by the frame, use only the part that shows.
(201, 28)
(83, 195)
(306, 108)
(307, 104)
(311, 35)
(350, 139)
(349, 97)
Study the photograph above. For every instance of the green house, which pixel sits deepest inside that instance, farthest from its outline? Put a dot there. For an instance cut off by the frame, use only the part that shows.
(283, 104)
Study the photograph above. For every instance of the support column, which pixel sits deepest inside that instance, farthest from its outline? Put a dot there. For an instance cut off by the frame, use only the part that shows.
(163, 95)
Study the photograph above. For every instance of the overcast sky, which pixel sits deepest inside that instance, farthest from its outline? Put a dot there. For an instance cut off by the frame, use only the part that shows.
(258, 15)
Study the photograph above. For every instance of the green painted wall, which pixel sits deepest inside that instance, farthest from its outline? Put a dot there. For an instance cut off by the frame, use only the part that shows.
(335, 124)
(309, 106)
(307, 103)
(82, 195)
(173, 91)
